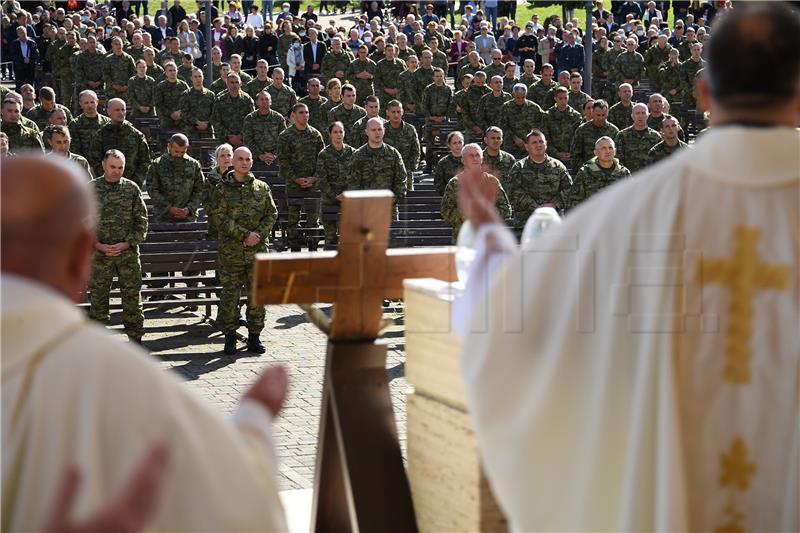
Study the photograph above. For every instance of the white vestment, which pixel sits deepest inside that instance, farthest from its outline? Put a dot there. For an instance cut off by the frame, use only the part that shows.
(640, 369)
(72, 395)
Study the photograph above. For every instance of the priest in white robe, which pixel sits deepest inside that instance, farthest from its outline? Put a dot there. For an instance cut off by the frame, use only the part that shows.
(639, 369)
(72, 396)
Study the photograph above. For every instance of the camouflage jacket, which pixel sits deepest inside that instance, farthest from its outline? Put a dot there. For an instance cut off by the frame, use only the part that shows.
(634, 145)
(455, 111)
(407, 89)
(127, 140)
(518, 121)
(490, 110)
(440, 60)
(406, 141)
(586, 135)
(297, 153)
(357, 136)
(689, 69)
(508, 84)
(197, 106)
(255, 86)
(452, 214)
(470, 106)
(229, 112)
(176, 182)
(118, 69)
(333, 62)
(155, 71)
(422, 78)
(88, 67)
(121, 213)
(669, 78)
(282, 99)
(378, 168)
(21, 137)
(387, 76)
(560, 127)
(317, 115)
(41, 116)
(241, 208)
(654, 57)
(78, 160)
(530, 185)
(141, 92)
(495, 70)
(348, 117)
(539, 92)
(167, 96)
(662, 150)
(468, 68)
(592, 177)
(620, 115)
(64, 59)
(578, 100)
(82, 129)
(364, 88)
(435, 100)
(499, 165)
(260, 132)
(528, 81)
(447, 167)
(629, 66)
(333, 167)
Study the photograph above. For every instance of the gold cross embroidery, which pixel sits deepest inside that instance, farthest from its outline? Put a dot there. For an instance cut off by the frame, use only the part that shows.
(745, 275)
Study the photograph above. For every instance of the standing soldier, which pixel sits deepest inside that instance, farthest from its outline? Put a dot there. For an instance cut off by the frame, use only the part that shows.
(497, 67)
(196, 106)
(89, 67)
(470, 106)
(560, 125)
(117, 70)
(141, 92)
(283, 96)
(176, 184)
(670, 77)
(634, 142)
(577, 98)
(358, 133)
(261, 130)
(361, 73)
(530, 79)
(599, 172)
(629, 65)
(230, 108)
(315, 102)
(536, 180)
(121, 227)
(59, 140)
(376, 165)
(261, 81)
(423, 76)
(509, 80)
(154, 70)
(298, 148)
(221, 84)
(334, 87)
(168, 94)
(41, 112)
(84, 127)
(456, 110)
(406, 88)
(689, 70)
(654, 57)
(619, 114)
(120, 134)
(498, 162)
(518, 117)
(348, 113)
(245, 215)
(587, 134)
(403, 136)
(449, 165)
(387, 75)
(670, 144)
(65, 70)
(434, 107)
(336, 61)
(19, 137)
(333, 167)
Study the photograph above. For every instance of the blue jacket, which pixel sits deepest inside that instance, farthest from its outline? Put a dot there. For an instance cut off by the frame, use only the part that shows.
(570, 57)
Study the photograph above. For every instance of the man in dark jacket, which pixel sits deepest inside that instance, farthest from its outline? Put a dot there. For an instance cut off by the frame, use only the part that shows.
(24, 55)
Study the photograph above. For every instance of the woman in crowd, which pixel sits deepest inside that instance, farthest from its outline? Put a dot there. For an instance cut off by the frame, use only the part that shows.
(188, 40)
(268, 46)
(141, 92)
(333, 166)
(234, 14)
(249, 48)
(449, 165)
(223, 162)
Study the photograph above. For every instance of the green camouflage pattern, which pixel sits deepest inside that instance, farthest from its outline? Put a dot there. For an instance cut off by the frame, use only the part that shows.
(577, 100)
(333, 168)
(654, 57)
(348, 117)
(629, 66)
(176, 182)
(447, 167)
(82, 129)
(255, 86)
(317, 115)
(167, 96)
(364, 88)
(260, 132)
(387, 76)
(118, 69)
(620, 115)
(333, 62)
(197, 106)
(128, 140)
(689, 70)
(470, 107)
(559, 129)
(531, 185)
(378, 168)
(282, 99)
(518, 121)
(662, 150)
(406, 141)
(141, 93)
(669, 77)
(40, 115)
(592, 177)
(88, 67)
(452, 214)
(436, 100)
(490, 110)
(586, 135)
(499, 165)
(21, 138)
(422, 78)
(633, 146)
(229, 112)
(358, 135)
(539, 93)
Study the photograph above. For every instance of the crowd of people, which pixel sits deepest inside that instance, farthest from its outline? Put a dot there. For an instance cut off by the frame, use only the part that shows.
(336, 109)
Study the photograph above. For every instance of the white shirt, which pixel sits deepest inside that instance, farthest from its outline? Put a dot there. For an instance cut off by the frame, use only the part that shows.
(255, 20)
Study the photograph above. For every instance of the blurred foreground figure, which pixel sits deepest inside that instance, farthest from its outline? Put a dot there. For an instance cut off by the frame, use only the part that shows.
(72, 396)
(638, 370)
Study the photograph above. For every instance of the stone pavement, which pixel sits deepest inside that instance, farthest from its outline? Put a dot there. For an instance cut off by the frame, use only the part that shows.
(189, 345)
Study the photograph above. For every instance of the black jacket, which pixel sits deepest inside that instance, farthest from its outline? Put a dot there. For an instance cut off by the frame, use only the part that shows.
(308, 55)
(16, 52)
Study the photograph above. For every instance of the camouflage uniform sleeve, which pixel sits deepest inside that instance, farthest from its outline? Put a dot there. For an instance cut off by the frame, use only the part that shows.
(450, 210)
(355, 178)
(95, 151)
(577, 149)
(269, 218)
(142, 159)
(248, 134)
(217, 122)
(564, 188)
(503, 205)
(576, 194)
(139, 227)
(323, 176)
(481, 117)
(108, 72)
(285, 157)
(416, 153)
(199, 189)
(400, 177)
(619, 140)
(227, 223)
(160, 204)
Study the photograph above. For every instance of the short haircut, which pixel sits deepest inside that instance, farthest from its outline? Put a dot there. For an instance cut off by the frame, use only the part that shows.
(179, 139)
(575, 75)
(603, 139)
(348, 88)
(493, 129)
(332, 82)
(297, 106)
(535, 132)
(600, 104)
(335, 123)
(738, 57)
(371, 99)
(46, 93)
(520, 88)
(114, 153)
(394, 103)
(53, 129)
(562, 89)
(470, 147)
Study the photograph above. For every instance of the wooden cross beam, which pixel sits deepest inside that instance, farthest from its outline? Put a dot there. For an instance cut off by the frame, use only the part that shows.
(360, 479)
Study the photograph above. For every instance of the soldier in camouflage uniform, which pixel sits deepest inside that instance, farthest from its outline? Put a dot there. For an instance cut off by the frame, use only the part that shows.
(438, 58)
(223, 160)
(58, 140)
(283, 96)
(669, 76)
(528, 77)
(561, 122)
(236, 67)
(473, 162)
(518, 117)
(654, 57)
(360, 73)
(497, 162)
(376, 165)
(471, 104)
(423, 76)
(261, 81)
(261, 130)
(317, 115)
(118, 68)
(387, 75)
(629, 65)
(19, 137)
(333, 167)
(298, 147)
(120, 134)
(490, 106)
(196, 107)
(358, 133)
(403, 51)
(607, 65)
(449, 165)
(472, 64)
(497, 67)
(456, 110)
(577, 98)
(154, 70)
(167, 96)
(185, 69)
(539, 91)
(634, 142)
(348, 113)
(136, 49)
(245, 214)
(563, 81)
(64, 69)
(670, 144)
(434, 107)
(689, 70)
(403, 136)
(620, 113)
(141, 92)
(599, 172)
(509, 80)
(176, 184)
(230, 108)
(121, 227)
(85, 126)
(336, 61)
(536, 180)
(171, 52)
(220, 85)
(89, 67)
(47, 104)
(407, 89)
(587, 134)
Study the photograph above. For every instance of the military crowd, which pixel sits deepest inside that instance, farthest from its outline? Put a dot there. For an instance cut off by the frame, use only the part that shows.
(329, 110)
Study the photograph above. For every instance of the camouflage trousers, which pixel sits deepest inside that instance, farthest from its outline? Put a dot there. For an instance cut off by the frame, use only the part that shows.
(311, 209)
(67, 96)
(128, 270)
(233, 277)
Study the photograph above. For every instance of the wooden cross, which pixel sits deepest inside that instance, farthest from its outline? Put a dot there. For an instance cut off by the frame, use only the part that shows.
(360, 479)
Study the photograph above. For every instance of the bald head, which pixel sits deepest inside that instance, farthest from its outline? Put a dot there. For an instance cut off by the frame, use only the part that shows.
(47, 222)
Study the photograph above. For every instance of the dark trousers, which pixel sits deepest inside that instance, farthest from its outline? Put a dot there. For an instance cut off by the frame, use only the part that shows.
(24, 73)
